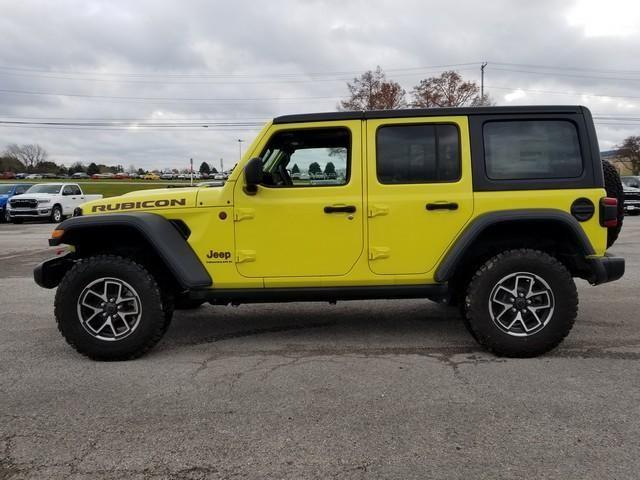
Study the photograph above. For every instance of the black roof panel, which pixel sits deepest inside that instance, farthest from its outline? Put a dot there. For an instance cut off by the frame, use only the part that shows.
(426, 112)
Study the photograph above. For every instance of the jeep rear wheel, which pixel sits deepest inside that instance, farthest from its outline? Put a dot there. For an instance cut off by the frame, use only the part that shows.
(110, 308)
(521, 303)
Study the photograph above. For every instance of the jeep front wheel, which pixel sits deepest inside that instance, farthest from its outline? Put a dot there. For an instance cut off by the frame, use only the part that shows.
(521, 303)
(110, 308)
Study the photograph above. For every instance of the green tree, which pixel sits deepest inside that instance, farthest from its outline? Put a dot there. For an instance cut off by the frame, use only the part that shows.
(141, 171)
(92, 169)
(46, 167)
(330, 168)
(205, 168)
(295, 168)
(314, 168)
(76, 168)
(10, 164)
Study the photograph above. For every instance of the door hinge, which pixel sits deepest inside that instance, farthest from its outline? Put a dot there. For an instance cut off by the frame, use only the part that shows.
(376, 253)
(377, 210)
(243, 214)
(244, 256)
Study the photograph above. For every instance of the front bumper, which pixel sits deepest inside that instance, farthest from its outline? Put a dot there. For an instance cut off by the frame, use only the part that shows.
(29, 212)
(606, 269)
(632, 206)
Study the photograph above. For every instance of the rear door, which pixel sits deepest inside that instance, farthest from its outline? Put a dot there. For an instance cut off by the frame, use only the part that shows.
(420, 193)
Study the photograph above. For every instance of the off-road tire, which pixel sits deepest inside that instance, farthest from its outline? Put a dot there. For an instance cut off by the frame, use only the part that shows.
(55, 211)
(561, 319)
(613, 186)
(5, 218)
(155, 307)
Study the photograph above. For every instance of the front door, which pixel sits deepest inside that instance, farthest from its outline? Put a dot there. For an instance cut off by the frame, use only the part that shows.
(419, 191)
(306, 219)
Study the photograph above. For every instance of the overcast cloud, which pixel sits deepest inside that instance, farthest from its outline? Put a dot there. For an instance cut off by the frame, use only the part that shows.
(206, 61)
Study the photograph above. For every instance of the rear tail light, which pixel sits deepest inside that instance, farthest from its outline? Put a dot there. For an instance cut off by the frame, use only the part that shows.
(609, 212)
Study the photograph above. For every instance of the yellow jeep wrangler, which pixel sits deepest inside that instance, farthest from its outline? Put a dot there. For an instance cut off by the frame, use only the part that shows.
(494, 209)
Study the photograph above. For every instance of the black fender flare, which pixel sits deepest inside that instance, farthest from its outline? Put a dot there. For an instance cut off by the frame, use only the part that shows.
(162, 236)
(453, 257)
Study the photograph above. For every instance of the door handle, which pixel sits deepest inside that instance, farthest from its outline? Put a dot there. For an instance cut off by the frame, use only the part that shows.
(442, 206)
(340, 209)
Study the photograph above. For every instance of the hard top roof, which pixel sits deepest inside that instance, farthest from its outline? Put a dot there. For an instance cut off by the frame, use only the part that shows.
(427, 112)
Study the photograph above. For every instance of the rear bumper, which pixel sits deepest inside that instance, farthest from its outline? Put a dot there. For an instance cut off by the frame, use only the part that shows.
(606, 269)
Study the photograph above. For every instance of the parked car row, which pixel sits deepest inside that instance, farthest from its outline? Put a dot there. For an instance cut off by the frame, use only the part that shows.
(631, 186)
(53, 201)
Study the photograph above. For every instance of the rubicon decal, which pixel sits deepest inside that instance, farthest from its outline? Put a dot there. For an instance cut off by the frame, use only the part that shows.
(112, 207)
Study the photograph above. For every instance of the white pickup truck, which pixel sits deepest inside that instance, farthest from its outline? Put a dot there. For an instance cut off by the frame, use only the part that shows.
(48, 200)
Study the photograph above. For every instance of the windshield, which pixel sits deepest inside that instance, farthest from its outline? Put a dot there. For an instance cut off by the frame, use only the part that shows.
(4, 189)
(633, 182)
(45, 188)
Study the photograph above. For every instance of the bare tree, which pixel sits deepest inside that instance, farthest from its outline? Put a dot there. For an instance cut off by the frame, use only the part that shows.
(30, 155)
(628, 153)
(448, 90)
(372, 91)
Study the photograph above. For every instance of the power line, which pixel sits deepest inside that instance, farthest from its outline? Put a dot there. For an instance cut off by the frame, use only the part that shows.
(238, 81)
(227, 75)
(131, 130)
(565, 68)
(552, 92)
(595, 77)
(167, 99)
(136, 125)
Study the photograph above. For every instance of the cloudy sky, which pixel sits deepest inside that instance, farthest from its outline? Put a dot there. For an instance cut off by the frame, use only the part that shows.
(130, 71)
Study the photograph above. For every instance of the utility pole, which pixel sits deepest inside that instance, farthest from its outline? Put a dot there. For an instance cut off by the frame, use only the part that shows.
(221, 166)
(240, 148)
(484, 64)
(191, 170)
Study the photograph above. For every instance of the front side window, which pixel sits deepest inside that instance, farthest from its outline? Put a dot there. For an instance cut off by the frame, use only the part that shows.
(307, 158)
(418, 154)
(531, 149)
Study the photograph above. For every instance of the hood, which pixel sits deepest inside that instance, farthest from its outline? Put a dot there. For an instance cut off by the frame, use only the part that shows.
(161, 199)
(37, 196)
(630, 189)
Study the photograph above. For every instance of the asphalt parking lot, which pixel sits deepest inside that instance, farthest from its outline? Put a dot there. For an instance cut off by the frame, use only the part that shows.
(381, 389)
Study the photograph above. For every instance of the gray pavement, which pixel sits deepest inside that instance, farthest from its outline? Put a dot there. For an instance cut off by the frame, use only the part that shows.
(380, 389)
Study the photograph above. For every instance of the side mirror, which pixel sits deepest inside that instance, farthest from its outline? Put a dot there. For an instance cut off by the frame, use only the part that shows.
(253, 175)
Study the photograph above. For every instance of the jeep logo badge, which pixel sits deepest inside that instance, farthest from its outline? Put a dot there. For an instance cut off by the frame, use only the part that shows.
(218, 257)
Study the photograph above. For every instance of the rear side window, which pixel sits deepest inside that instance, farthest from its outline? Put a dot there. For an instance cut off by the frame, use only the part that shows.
(532, 149)
(418, 154)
